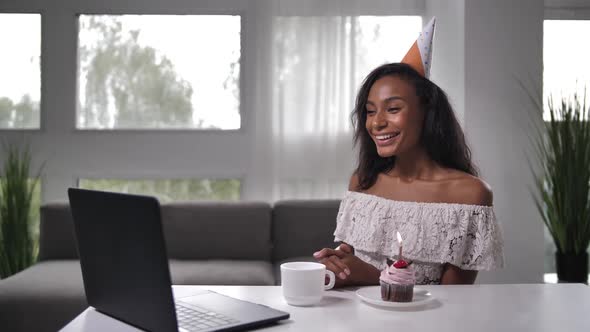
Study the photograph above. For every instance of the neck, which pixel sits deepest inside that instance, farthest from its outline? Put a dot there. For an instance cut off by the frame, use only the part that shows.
(414, 165)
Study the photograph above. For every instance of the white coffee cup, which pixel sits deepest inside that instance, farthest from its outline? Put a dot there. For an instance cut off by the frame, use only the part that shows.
(303, 283)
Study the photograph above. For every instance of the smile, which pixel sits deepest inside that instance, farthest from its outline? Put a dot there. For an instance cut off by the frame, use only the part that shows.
(387, 139)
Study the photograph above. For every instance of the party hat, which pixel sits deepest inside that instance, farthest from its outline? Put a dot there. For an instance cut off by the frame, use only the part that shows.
(420, 54)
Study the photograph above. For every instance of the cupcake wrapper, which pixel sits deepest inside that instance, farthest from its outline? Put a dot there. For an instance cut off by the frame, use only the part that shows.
(396, 293)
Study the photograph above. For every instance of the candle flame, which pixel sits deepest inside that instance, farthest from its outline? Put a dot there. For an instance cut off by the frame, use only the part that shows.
(399, 238)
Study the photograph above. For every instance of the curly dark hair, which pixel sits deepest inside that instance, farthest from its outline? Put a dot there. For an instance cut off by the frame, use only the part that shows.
(442, 136)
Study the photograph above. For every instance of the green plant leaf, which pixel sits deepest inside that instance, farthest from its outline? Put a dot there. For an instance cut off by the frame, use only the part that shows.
(562, 181)
(18, 247)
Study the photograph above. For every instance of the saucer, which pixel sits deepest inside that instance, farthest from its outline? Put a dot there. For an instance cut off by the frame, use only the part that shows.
(372, 295)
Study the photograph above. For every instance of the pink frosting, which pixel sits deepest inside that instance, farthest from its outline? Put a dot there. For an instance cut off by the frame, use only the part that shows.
(393, 275)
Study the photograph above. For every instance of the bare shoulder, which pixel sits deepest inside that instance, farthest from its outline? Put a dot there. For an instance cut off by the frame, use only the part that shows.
(469, 189)
(353, 184)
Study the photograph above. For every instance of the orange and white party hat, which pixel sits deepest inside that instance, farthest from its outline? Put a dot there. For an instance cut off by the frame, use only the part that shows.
(420, 54)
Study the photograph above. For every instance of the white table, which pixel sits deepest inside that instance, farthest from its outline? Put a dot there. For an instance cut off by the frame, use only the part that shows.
(526, 307)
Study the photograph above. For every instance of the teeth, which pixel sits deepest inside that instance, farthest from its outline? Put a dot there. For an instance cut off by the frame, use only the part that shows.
(383, 137)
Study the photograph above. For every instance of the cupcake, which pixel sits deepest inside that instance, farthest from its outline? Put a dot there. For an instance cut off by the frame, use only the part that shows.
(397, 282)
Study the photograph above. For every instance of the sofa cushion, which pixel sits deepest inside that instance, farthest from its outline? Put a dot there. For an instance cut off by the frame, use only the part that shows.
(221, 272)
(44, 297)
(57, 238)
(217, 230)
(301, 227)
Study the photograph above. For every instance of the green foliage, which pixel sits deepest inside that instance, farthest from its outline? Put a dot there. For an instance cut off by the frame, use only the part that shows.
(563, 182)
(24, 114)
(6, 107)
(171, 190)
(18, 245)
(143, 87)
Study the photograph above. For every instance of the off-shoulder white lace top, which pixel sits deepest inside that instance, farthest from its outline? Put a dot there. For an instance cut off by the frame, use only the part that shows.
(467, 236)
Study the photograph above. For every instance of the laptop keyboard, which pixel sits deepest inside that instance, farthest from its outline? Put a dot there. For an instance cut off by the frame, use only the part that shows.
(195, 318)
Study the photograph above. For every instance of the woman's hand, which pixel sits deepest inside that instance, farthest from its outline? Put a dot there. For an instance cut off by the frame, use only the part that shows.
(347, 248)
(349, 269)
(334, 261)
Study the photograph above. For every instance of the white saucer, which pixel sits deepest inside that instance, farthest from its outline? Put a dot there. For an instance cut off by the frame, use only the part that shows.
(372, 295)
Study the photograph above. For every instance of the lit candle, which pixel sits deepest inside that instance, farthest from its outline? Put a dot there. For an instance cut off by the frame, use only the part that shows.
(399, 240)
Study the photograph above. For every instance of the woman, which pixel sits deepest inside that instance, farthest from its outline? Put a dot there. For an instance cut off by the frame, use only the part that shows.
(414, 176)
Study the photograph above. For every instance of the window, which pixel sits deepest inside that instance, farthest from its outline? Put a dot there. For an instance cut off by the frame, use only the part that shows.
(566, 71)
(20, 81)
(319, 64)
(322, 60)
(171, 190)
(135, 73)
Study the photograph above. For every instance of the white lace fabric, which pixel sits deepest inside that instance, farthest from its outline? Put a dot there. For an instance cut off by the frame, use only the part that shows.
(467, 236)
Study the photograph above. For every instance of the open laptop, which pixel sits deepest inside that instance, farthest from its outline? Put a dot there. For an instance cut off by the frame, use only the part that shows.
(125, 270)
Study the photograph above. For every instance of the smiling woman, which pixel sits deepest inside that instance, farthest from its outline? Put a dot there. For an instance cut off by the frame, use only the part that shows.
(398, 110)
(414, 177)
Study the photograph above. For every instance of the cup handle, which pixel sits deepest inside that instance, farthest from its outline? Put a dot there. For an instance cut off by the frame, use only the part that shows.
(332, 277)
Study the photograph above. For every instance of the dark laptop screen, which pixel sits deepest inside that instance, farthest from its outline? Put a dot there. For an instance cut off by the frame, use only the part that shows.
(123, 257)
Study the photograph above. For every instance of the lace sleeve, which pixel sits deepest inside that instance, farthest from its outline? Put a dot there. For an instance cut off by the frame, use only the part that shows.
(480, 246)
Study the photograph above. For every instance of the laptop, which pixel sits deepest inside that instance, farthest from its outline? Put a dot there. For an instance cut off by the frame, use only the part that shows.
(126, 275)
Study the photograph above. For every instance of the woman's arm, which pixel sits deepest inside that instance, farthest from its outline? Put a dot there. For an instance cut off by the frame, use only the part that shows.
(361, 273)
(453, 275)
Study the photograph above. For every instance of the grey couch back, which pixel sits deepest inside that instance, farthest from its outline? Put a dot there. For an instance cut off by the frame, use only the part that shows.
(207, 230)
(217, 230)
(301, 227)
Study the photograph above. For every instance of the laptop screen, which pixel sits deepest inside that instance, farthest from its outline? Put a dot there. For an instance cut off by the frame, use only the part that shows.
(123, 257)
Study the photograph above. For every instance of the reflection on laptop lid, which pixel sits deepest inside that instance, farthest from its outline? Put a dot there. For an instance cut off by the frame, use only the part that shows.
(125, 269)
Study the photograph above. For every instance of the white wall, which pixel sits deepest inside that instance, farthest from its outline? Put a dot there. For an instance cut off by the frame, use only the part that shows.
(483, 50)
(504, 46)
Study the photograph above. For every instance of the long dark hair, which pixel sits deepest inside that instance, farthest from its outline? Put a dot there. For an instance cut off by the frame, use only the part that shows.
(442, 136)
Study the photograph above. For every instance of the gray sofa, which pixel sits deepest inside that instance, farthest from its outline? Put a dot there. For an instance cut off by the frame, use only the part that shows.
(240, 243)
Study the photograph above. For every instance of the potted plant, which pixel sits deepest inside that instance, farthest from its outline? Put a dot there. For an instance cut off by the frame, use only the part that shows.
(18, 247)
(562, 185)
